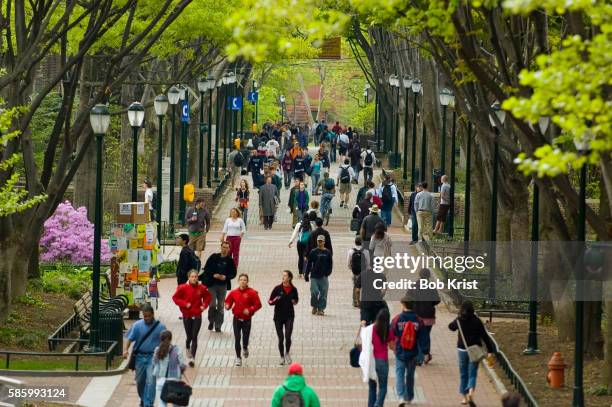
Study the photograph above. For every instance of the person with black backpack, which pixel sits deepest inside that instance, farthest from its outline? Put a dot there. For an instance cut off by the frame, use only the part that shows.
(357, 259)
(294, 392)
(187, 259)
(369, 159)
(302, 231)
(344, 177)
(237, 159)
(388, 196)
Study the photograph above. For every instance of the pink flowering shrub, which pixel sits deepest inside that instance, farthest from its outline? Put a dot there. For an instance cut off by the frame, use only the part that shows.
(68, 237)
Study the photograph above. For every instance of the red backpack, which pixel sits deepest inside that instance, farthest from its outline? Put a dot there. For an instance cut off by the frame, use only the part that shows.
(377, 201)
(408, 338)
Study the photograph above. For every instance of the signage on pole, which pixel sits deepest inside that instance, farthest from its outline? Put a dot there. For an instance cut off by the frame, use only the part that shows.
(234, 102)
(185, 111)
(252, 97)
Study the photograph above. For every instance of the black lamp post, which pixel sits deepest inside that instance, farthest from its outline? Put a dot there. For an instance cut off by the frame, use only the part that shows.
(220, 83)
(210, 85)
(282, 103)
(99, 118)
(230, 79)
(254, 86)
(423, 149)
(583, 146)
(416, 89)
(183, 158)
(394, 83)
(407, 82)
(161, 106)
(446, 96)
(451, 213)
(202, 88)
(497, 119)
(173, 99)
(136, 114)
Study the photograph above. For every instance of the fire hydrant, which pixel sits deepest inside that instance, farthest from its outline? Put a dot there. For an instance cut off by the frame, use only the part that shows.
(556, 371)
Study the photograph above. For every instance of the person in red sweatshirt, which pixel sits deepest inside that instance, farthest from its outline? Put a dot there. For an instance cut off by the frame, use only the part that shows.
(244, 303)
(192, 298)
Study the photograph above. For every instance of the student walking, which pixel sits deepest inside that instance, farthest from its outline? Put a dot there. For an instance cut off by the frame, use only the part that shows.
(145, 335)
(368, 226)
(219, 270)
(287, 166)
(244, 303)
(233, 231)
(294, 391)
(382, 336)
(236, 160)
(319, 266)
(301, 200)
(242, 199)
(413, 214)
(187, 259)
(355, 157)
(149, 198)
(380, 243)
(471, 332)
(315, 173)
(444, 205)
(192, 298)
(388, 196)
(168, 364)
(344, 177)
(284, 297)
(319, 231)
(406, 329)
(303, 231)
(369, 159)
(425, 301)
(358, 260)
(268, 202)
(198, 225)
(423, 204)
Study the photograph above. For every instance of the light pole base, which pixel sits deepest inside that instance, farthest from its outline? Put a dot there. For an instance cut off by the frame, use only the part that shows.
(531, 351)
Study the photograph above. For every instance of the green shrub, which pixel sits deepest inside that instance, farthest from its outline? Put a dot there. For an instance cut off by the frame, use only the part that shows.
(168, 267)
(71, 281)
(29, 339)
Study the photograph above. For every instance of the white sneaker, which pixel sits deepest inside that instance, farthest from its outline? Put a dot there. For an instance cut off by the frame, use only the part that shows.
(238, 362)
(282, 361)
(288, 359)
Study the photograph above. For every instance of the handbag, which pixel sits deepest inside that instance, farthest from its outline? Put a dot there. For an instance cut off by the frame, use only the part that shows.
(355, 224)
(355, 352)
(476, 353)
(132, 361)
(176, 392)
(410, 223)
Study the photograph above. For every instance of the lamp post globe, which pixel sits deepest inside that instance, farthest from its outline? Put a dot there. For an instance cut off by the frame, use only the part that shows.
(407, 81)
(446, 95)
(161, 105)
(173, 95)
(211, 82)
(99, 117)
(416, 86)
(182, 92)
(136, 113)
(202, 85)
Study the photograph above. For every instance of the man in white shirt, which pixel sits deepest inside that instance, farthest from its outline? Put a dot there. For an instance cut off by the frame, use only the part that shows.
(272, 147)
(148, 197)
(344, 177)
(344, 144)
(369, 159)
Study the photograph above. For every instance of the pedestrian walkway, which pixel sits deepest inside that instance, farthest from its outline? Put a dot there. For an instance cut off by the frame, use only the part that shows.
(321, 344)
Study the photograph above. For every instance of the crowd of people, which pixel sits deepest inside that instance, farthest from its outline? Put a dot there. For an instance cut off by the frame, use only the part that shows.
(280, 158)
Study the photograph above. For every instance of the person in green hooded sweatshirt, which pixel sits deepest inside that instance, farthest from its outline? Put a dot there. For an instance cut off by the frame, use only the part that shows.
(294, 388)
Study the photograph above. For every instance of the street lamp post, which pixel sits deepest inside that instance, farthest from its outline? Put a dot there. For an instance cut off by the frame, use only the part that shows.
(583, 146)
(211, 82)
(282, 103)
(407, 82)
(451, 213)
(446, 96)
(230, 79)
(416, 89)
(218, 124)
(183, 160)
(500, 115)
(136, 114)
(202, 88)
(161, 106)
(394, 83)
(254, 86)
(173, 98)
(99, 118)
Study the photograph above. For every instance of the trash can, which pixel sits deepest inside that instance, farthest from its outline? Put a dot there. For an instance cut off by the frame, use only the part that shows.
(111, 329)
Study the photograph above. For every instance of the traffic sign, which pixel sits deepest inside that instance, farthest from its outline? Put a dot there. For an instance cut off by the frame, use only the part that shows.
(252, 97)
(185, 111)
(234, 102)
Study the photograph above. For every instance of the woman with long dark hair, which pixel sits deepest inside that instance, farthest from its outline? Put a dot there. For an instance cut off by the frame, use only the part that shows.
(242, 199)
(471, 332)
(284, 297)
(382, 336)
(168, 364)
(302, 232)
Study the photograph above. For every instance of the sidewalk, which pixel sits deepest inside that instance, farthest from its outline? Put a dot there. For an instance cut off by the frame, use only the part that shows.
(321, 344)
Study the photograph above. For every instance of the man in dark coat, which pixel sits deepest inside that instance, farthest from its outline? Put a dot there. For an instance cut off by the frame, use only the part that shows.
(268, 202)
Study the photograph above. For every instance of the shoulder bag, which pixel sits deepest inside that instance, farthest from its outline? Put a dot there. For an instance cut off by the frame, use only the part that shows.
(176, 392)
(132, 360)
(476, 353)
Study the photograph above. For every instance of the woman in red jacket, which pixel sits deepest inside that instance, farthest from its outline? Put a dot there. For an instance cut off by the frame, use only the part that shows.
(192, 298)
(244, 302)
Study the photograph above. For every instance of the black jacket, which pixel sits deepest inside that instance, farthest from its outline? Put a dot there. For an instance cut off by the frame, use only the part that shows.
(320, 264)
(425, 301)
(473, 330)
(312, 242)
(411, 203)
(283, 302)
(218, 265)
(186, 262)
(362, 209)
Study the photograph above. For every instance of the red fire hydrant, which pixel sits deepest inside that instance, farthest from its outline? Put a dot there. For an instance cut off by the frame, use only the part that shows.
(556, 371)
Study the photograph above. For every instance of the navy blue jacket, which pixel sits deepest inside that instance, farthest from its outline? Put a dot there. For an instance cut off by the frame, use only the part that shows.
(398, 327)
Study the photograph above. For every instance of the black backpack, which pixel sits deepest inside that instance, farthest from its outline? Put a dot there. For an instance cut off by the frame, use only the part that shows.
(292, 399)
(154, 201)
(387, 195)
(369, 160)
(356, 259)
(345, 176)
(238, 159)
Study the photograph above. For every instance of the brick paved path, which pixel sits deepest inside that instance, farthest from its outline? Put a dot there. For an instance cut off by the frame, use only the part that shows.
(321, 344)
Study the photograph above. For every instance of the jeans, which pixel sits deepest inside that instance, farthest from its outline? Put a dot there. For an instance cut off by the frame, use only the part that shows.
(315, 180)
(288, 325)
(301, 249)
(145, 381)
(415, 227)
(245, 215)
(356, 171)
(333, 153)
(404, 372)
(192, 329)
(424, 342)
(385, 214)
(467, 373)
(325, 202)
(382, 374)
(217, 304)
(368, 173)
(287, 178)
(268, 221)
(318, 292)
(244, 328)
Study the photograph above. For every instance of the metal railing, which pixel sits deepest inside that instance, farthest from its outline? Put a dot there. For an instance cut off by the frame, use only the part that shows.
(107, 354)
